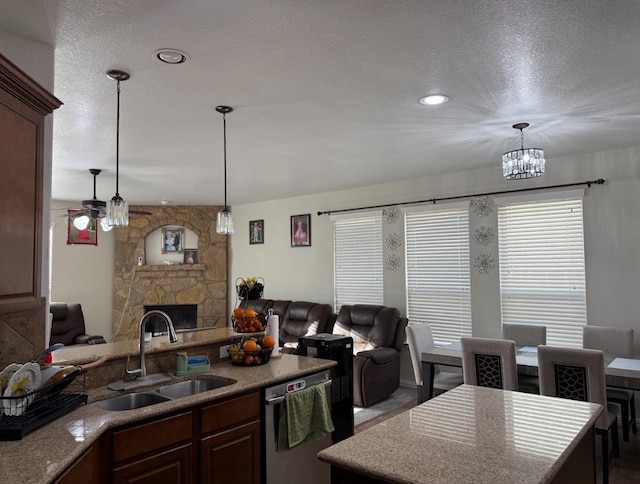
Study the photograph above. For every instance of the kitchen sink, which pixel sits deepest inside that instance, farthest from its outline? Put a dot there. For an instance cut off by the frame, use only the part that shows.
(131, 401)
(197, 385)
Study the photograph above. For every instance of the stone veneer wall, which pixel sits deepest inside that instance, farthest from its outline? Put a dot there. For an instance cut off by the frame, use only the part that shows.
(204, 284)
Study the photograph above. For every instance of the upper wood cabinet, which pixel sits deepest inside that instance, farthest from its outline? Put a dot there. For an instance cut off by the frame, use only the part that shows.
(23, 107)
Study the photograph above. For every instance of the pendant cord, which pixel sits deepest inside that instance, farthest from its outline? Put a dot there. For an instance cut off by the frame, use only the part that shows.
(118, 141)
(224, 130)
(521, 139)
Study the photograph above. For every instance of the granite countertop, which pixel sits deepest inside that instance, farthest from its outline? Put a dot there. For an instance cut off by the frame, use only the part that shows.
(44, 453)
(470, 434)
(77, 355)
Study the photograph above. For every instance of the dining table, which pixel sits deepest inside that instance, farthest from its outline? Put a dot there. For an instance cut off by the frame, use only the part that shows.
(619, 372)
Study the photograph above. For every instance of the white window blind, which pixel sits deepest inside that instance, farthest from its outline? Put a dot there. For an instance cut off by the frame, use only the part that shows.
(438, 274)
(357, 256)
(542, 274)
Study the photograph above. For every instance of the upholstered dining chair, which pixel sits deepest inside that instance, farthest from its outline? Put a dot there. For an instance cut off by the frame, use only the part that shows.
(420, 339)
(488, 362)
(615, 342)
(526, 335)
(578, 374)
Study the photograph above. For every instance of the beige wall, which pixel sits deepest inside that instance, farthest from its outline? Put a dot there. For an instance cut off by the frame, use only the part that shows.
(83, 273)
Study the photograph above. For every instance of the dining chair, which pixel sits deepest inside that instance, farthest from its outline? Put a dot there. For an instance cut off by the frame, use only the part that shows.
(420, 340)
(526, 335)
(615, 342)
(578, 374)
(488, 362)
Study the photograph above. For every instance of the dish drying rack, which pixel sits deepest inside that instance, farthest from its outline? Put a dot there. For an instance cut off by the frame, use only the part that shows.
(41, 406)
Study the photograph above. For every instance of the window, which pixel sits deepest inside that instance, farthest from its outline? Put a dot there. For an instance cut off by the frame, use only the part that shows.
(357, 260)
(438, 274)
(542, 275)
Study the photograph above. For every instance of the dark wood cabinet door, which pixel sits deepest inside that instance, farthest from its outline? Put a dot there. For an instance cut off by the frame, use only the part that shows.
(231, 456)
(85, 470)
(173, 466)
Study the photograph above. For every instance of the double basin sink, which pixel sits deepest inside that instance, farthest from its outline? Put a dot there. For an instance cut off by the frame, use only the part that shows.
(165, 393)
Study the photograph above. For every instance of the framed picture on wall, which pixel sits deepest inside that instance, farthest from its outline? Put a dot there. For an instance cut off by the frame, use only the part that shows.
(301, 230)
(190, 256)
(81, 229)
(172, 240)
(256, 232)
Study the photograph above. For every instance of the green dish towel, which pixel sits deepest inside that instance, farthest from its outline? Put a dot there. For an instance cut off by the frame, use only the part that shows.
(304, 416)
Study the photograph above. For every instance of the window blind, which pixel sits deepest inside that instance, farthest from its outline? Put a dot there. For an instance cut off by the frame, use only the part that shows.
(357, 259)
(438, 273)
(542, 270)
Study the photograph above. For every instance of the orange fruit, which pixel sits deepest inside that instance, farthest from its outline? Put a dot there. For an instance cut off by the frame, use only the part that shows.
(238, 312)
(250, 346)
(268, 342)
(250, 313)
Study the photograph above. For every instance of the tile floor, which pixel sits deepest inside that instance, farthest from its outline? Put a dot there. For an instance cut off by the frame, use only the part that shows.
(623, 470)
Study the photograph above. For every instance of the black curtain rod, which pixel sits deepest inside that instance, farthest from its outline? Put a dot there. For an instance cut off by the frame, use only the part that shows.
(599, 181)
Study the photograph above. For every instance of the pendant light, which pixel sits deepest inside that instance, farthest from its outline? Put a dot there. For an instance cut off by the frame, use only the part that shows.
(224, 223)
(117, 208)
(525, 162)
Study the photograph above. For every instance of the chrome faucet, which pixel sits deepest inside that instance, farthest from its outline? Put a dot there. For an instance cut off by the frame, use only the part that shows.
(173, 337)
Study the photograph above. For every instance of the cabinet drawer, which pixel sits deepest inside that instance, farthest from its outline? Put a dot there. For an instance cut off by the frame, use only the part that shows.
(140, 439)
(231, 412)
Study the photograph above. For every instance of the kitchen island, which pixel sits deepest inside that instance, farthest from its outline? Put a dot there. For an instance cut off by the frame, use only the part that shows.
(474, 434)
(44, 454)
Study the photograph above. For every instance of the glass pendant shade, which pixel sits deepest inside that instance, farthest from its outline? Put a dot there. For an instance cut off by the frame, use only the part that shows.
(224, 224)
(117, 212)
(525, 162)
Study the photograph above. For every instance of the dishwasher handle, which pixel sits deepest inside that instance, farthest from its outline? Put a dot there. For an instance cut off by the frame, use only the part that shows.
(279, 399)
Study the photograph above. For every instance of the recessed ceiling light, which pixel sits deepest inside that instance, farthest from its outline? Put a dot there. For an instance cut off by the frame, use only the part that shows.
(172, 56)
(434, 99)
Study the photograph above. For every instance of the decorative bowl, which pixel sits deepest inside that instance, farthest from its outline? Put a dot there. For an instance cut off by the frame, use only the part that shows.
(240, 357)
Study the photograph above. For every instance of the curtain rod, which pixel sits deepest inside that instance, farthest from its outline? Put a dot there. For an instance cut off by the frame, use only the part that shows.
(599, 181)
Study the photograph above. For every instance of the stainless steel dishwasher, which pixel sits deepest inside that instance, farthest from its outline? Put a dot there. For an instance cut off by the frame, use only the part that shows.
(300, 463)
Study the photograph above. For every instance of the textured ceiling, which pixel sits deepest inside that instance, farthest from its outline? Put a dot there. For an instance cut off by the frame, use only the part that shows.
(325, 92)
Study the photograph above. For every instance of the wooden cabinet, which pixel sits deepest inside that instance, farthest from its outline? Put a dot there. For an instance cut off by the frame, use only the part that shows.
(172, 466)
(230, 441)
(23, 107)
(212, 443)
(84, 470)
(156, 451)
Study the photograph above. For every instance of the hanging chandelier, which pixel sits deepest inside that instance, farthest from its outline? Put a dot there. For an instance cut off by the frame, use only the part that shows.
(224, 223)
(117, 208)
(525, 162)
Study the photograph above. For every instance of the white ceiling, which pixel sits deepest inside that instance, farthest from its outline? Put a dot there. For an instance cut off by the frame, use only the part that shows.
(325, 91)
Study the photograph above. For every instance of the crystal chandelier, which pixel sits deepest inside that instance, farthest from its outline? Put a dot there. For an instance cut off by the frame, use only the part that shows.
(117, 208)
(224, 223)
(523, 163)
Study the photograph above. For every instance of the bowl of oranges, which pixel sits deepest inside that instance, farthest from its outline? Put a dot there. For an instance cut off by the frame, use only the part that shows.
(252, 351)
(247, 321)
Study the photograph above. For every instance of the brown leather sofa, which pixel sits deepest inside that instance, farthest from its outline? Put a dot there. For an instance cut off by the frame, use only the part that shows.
(378, 334)
(67, 326)
(297, 318)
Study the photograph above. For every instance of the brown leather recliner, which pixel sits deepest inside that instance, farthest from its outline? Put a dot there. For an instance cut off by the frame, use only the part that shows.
(378, 334)
(297, 318)
(67, 326)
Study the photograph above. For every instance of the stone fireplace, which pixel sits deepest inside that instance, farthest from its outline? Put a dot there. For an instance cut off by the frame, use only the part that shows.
(203, 285)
